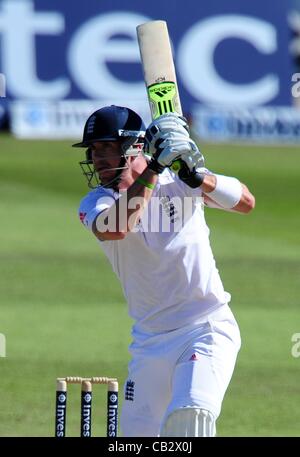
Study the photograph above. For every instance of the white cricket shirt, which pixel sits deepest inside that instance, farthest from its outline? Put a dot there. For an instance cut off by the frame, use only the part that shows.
(166, 267)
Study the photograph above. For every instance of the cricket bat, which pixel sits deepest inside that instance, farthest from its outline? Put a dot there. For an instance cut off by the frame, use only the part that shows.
(159, 70)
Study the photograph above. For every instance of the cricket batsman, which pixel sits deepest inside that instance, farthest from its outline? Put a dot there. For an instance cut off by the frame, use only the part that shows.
(150, 223)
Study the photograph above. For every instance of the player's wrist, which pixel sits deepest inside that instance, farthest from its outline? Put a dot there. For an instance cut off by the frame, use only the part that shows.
(192, 179)
(145, 183)
(155, 166)
(150, 176)
(209, 183)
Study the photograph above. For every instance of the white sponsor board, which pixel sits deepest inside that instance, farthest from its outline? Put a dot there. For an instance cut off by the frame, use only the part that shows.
(60, 120)
(259, 125)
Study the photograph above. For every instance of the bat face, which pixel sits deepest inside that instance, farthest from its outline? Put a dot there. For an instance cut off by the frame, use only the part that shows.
(159, 71)
(158, 67)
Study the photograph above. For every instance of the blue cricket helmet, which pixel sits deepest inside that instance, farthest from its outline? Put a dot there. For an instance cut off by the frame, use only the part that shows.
(112, 123)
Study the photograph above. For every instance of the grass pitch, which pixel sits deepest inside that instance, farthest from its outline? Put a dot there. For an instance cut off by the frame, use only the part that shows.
(63, 313)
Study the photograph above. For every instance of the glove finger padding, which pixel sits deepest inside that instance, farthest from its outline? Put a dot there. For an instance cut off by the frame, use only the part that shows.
(168, 123)
(193, 158)
(173, 146)
(171, 121)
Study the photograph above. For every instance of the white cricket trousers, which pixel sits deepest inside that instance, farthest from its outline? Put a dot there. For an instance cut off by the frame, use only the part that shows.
(190, 366)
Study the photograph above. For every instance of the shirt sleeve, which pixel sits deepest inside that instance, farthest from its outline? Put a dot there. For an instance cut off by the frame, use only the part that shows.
(92, 205)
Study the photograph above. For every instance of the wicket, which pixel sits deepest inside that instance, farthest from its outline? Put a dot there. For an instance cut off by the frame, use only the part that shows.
(86, 405)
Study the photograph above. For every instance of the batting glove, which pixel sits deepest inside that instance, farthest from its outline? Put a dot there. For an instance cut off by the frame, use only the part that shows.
(192, 156)
(169, 148)
(193, 178)
(170, 122)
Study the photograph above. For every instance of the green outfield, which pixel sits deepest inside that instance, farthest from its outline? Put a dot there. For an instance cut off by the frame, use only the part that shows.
(62, 310)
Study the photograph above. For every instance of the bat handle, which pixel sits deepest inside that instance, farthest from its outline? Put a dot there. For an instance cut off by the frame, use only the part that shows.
(176, 166)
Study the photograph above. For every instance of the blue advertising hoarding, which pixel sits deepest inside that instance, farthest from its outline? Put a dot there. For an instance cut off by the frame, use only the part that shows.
(226, 53)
